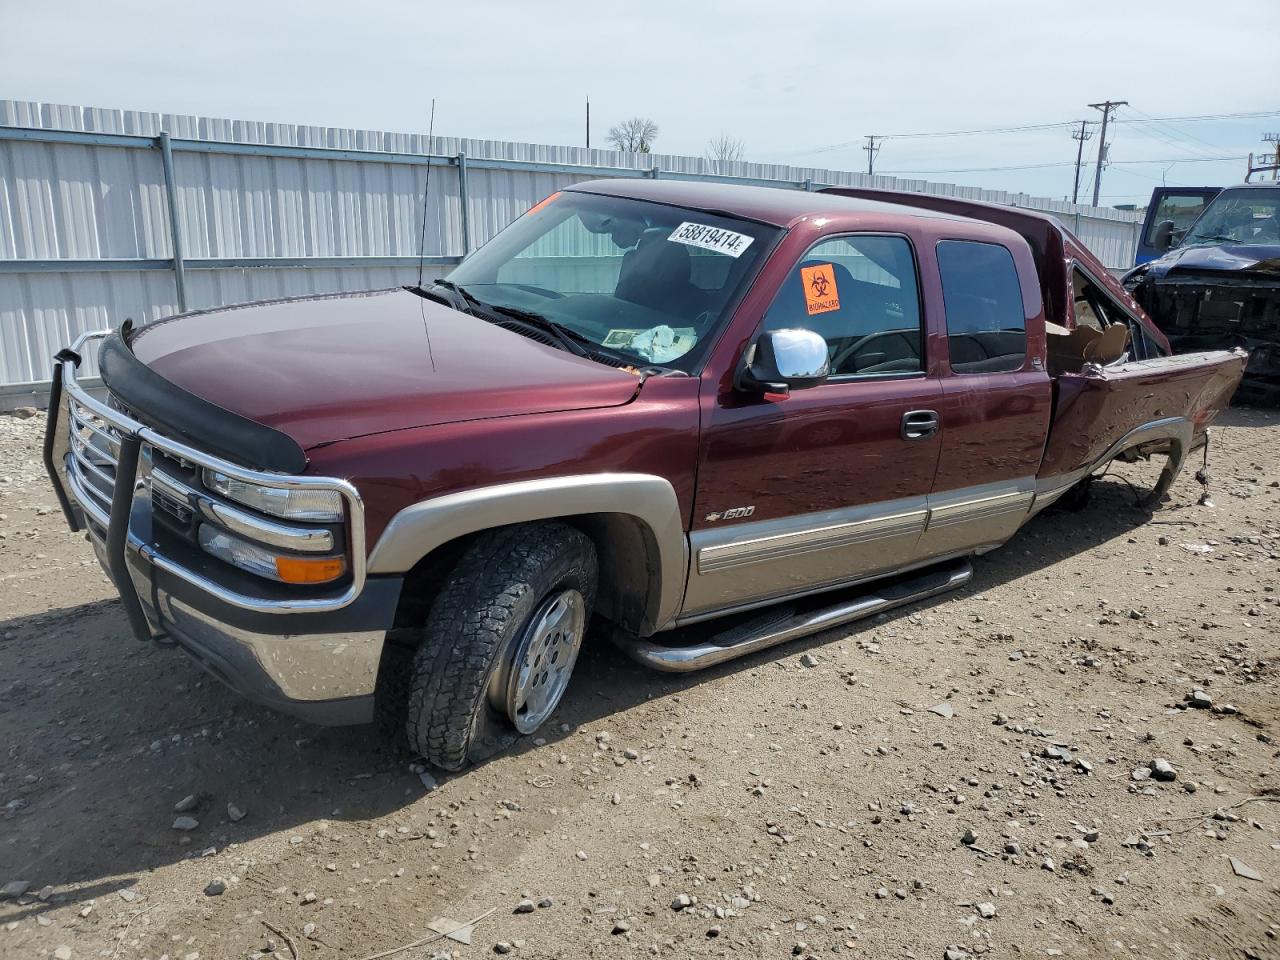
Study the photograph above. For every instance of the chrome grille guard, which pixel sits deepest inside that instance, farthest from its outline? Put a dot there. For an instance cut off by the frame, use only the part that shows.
(91, 454)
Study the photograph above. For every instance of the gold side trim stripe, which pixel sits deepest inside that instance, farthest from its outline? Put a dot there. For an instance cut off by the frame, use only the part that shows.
(781, 546)
(980, 510)
(727, 556)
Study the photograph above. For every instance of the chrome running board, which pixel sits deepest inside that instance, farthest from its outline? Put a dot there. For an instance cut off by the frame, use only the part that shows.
(780, 625)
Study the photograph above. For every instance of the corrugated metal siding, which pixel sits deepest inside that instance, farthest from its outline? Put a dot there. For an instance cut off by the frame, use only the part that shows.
(72, 201)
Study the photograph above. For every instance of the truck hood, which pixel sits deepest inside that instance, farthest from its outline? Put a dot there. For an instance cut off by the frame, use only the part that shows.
(1226, 257)
(330, 368)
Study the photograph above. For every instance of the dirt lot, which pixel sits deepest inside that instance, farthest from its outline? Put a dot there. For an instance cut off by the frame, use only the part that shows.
(813, 800)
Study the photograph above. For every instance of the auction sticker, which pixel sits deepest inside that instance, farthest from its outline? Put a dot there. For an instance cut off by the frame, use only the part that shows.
(711, 238)
(820, 293)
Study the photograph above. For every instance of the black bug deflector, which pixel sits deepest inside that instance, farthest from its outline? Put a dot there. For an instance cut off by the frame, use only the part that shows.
(183, 415)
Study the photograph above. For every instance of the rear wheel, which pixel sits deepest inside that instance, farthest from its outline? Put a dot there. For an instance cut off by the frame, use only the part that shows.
(500, 642)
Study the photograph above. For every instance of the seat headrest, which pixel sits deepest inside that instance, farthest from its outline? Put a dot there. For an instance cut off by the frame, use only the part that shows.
(654, 261)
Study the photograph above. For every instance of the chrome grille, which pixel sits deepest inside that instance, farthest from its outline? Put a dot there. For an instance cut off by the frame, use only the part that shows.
(91, 465)
(88, 438)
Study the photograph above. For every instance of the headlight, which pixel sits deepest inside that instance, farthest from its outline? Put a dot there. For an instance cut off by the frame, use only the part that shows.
(323, 506)
(268, 563)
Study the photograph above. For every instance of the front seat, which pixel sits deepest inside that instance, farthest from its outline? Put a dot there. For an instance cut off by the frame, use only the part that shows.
(656, 274)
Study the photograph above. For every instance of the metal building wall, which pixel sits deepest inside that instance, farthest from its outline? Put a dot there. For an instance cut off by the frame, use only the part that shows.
(86, 241)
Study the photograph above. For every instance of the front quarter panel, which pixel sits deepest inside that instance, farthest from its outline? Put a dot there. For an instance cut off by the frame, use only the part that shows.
(425, 486)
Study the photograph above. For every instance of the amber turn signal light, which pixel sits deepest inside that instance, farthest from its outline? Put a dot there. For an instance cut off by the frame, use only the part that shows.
(309, 569)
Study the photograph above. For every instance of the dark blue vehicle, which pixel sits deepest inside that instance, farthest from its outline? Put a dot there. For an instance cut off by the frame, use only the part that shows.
(1216, 283)
(1170, 214)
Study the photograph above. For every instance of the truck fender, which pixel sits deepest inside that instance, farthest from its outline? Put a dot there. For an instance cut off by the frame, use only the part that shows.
(1176, 435)
(649, 500)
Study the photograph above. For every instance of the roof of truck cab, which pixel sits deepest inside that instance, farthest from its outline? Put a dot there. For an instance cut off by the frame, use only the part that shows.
(779, 206)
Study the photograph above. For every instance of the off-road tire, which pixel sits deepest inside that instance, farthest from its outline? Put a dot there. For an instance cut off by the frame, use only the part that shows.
(477, 618)
(391, 695)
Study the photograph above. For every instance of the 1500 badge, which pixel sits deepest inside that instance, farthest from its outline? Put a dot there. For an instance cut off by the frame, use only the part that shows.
(733, 513)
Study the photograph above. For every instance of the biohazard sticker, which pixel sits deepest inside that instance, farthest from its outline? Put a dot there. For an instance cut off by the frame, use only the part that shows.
(820, 293)
(711, 238)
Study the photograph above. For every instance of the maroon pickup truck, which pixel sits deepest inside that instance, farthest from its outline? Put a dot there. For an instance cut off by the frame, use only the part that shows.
(652, 403)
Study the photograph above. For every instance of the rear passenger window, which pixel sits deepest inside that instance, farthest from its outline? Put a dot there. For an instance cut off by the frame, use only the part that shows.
(986, 324)
(859, 292)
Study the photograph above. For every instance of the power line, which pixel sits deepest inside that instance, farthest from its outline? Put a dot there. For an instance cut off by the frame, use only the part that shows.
(1167, 127)
(1203, 117)
(826, 148)
(1171, 136)
(1031, 127)
(1116, 163)
(1071, 163)
(969, 133)
(1156, 135)
(1025, 166)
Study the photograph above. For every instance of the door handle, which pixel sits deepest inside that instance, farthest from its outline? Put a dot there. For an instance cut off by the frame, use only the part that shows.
(920, 424)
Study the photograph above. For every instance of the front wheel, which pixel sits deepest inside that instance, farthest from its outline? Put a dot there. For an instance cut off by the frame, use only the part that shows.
(501, 642)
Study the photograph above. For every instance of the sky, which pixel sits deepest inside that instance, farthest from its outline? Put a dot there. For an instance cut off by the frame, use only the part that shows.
(795, 84)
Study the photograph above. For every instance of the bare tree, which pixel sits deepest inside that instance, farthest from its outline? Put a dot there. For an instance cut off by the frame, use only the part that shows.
(633, 136)
(725, 148)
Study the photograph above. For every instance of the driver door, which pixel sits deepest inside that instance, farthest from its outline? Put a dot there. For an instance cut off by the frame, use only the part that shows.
(828, 485)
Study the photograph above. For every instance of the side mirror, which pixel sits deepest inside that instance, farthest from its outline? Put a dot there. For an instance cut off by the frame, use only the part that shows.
(784, 360)
(1162, 236)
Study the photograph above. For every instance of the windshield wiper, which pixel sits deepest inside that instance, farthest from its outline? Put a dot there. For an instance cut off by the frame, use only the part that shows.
(462, 293)
(570, 339)
(563, 335)
(1218, 237)
(579, 343)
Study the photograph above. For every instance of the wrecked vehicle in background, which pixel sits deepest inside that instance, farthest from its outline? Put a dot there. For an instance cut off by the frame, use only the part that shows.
(1170, 213)
(1220, 286)
(691, 411)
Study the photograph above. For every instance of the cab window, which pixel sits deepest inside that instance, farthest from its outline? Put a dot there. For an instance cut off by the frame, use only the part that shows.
(986, 323)
(860, 294)
(1181, 210)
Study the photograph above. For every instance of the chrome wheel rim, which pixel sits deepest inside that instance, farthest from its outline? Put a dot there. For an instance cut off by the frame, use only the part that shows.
(544, 659)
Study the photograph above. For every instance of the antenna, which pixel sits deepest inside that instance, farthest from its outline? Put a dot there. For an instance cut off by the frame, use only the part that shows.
(426, 191)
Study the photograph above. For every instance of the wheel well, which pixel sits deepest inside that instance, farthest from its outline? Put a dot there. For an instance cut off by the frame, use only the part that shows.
(630, 570)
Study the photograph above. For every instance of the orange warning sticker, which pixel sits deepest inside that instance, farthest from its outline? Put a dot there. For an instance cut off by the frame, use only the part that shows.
(820, 293)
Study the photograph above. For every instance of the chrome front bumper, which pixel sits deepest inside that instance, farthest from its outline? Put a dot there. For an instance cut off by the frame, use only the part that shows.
(313, 657)
(323, 677)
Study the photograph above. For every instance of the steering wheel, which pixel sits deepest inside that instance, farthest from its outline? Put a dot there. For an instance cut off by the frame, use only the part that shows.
(843, 354)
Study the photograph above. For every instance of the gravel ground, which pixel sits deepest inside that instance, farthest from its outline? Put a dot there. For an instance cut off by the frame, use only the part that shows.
(981, 774)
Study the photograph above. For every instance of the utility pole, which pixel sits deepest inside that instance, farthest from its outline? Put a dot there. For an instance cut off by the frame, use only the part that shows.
(872, 149)
(1106, 107)
(1274, 140)
(1081, 135)
(588, 123)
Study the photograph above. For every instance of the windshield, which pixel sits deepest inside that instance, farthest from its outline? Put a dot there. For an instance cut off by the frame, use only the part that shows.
(649, 283)
(1239, 216)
